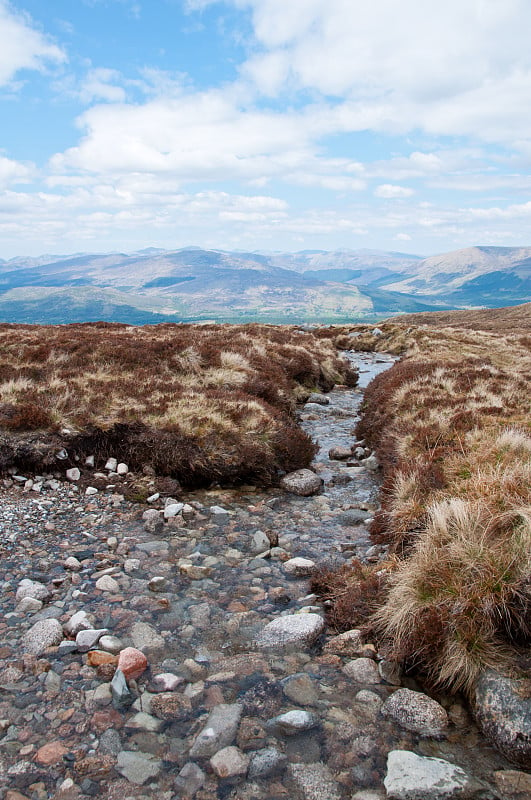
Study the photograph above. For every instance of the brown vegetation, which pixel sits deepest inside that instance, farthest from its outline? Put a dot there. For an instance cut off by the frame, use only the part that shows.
(451, 426)
(202, 403)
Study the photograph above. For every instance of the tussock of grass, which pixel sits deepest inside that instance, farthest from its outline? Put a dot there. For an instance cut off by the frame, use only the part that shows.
(202, 403)
(452, 429)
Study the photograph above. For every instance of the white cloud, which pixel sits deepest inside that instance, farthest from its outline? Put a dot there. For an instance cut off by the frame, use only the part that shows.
(102, 84)
(458, 68)
(388, 191)
(13, 172)
(23, 46)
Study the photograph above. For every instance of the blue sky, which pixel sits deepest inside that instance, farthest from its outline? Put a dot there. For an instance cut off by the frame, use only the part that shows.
(264, 124)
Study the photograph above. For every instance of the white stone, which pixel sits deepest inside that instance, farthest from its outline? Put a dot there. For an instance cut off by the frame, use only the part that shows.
(167, 681)
(122, 469)
(72, 564)
(110, 643)
(153, 498)
(131, 564)
(34, 589)
(293, 722)
(173, 510)
(90, 491)
(73, 474)
(45, 633)
(89, 461)
(77, 622)
(413, 777)
(107, 584)
(88, 638)
(299, 567)
(111, 464)
(291, 630)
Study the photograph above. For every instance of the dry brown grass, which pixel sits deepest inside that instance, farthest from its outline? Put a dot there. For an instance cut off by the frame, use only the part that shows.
(452, 428)
(203, 403)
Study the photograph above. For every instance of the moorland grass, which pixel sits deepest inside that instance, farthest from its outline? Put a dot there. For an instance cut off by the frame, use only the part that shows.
(200, 403)
(451, 426)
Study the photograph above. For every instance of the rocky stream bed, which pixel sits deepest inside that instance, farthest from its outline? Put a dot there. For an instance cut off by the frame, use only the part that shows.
(228, 683)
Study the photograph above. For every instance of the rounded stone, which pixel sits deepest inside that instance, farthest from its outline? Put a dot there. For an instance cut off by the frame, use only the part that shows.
(362, 670)
(290, 631)
(132, 662)
(503, 711)
(302, 482)
(416, 712)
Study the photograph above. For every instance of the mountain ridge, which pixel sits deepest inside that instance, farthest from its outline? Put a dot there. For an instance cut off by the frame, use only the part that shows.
(193, 283)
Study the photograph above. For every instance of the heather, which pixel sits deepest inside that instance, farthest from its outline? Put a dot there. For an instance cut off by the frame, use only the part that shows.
(202, 404)
(450, 424)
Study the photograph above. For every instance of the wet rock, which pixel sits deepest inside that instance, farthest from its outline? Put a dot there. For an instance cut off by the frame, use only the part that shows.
(157, 584)
(77, 622)
(86, 639)
(29, 605)
(171, 705)
(302, 482)
(413, 777)
(132, 662)
(513, 784)
(51, 753)
(146, 638)
(293, 722)
(349, 643)
(290, 631)
(219, 730)
(299, 567)
(121, 695)
(266, 762)
(166, 682)
(137, 767)
(34, 589)
(142, 721)
(503, 711)
(314, 781)
(107, 584)
(390, 672)
(320, 399)
(229, 762)
(339, 453)
(362, 670)
(417, 712)
(301, 689)
(45, 633)
(189, 780)
(112, 644)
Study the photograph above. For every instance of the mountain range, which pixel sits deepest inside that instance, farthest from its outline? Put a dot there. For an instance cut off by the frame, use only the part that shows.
(193, 284)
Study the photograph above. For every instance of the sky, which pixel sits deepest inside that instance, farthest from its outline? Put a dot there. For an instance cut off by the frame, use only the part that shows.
(264, 125)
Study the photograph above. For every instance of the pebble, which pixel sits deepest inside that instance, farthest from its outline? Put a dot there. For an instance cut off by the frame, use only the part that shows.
(132, 662)
(43, 634)
(138, 768)
(229, 762)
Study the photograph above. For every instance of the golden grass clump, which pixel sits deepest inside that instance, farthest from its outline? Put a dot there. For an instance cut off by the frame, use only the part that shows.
(202, 403)
(451, 426)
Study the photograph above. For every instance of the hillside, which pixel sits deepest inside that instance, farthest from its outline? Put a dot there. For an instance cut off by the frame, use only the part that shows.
(192, 284)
